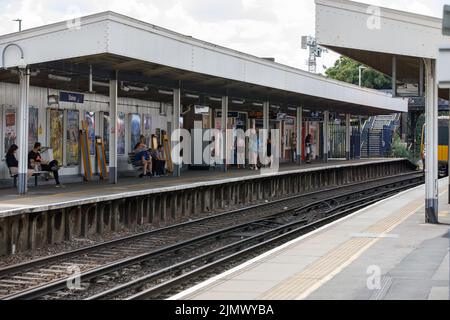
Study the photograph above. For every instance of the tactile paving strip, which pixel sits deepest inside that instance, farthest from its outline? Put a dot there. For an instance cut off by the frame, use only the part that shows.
(314, 275)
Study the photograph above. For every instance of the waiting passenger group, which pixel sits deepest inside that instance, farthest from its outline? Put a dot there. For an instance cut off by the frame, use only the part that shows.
(35, 162)
(152, 161)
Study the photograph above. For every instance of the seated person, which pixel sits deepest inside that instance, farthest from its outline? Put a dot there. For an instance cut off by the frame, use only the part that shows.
(12, 163)
(159, 162)
(35, 159)
(142, 155)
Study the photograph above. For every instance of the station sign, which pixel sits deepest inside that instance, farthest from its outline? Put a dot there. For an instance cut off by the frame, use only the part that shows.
(281, 116)
(312, 116)
(201, 109)
(255, 114)
(231, 114)
(71, 97)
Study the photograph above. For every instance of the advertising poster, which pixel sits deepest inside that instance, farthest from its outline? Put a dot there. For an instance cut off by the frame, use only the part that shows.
(121, 133)
(10, 128)
(57, 133)
(33, 127)
(147, 129)
(135, 129)
(89, 117)
(106, 130)
(73, 121)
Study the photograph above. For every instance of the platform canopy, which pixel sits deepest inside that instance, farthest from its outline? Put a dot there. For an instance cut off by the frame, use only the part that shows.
(374, 35)
(147, 54)
(401, 44)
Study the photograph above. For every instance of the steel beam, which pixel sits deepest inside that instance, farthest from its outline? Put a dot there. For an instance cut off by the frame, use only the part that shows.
(347, 136)
(113, 89)
(22, 135)
(266, 107)
(176, 111)
(431, 148)
(326, 135)
(299, 134)
(223, 125)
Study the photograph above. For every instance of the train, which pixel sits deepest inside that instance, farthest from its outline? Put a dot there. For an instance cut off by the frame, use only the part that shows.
(443, 137)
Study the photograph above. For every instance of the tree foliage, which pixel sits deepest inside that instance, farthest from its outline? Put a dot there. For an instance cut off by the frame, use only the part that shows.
(347, 70)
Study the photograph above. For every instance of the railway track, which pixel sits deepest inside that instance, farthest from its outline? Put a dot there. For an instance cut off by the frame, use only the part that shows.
(156, 261)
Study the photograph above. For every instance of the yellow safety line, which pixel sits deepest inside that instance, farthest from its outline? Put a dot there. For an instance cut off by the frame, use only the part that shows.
(302, 284)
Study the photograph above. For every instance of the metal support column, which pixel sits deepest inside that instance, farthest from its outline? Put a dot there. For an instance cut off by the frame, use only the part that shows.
(113, 92)
(263, 138)
(224, 124)
(431, 148)
(360, 129)
(326, 135)
(266, 106)
(347, 136)
(22, 134)
(299, 134)
(176, 111)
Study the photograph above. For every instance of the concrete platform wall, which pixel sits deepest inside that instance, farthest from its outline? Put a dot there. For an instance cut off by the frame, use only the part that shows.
(28, 231)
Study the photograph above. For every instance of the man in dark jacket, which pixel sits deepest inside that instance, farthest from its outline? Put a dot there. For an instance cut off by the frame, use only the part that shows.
(35, 159)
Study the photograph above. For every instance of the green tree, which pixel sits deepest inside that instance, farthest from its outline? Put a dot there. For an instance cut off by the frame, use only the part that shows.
(347, 70)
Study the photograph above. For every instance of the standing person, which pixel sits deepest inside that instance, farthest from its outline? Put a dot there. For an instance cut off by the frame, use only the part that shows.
(35, 159)
(12, 163)
(308, 148)
(293, 147)
(269, 151)
(240, 146)
(253, 151)
(161, 160)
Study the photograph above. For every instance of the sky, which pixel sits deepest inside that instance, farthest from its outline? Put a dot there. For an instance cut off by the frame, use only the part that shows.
(264, 28)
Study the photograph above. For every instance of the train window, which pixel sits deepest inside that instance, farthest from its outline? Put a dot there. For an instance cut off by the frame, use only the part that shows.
(443, 135)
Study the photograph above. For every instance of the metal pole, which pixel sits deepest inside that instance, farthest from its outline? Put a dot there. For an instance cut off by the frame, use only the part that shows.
(266, 109)
(113, 91)
(360, 76)
(360, 129)
(347, 136)
(394, 76)
(326, 118)
(266, 115)
(22, 136)
(224, 126)
(90, 79)
(431, 181)
(448, 160)
(299, 134)
(176, 111)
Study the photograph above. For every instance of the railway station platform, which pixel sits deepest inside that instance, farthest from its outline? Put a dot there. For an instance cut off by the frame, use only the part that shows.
(49, 215)
(384, 251)
(48, 197)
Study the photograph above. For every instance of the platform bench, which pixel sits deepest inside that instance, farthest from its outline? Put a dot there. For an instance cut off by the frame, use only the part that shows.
(36, 175)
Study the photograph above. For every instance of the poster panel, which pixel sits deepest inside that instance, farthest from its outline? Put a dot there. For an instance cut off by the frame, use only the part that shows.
(147, 132)
(57, 133)
(33, 123)
(72, 143)
(121, 133)
(89, 117)
(10, 128)
(135, 129)
(106, 133)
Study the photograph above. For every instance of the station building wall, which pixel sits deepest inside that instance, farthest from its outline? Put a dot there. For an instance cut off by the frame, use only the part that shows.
(96, 103)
